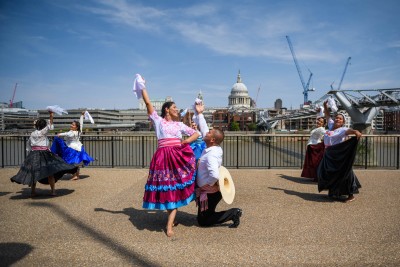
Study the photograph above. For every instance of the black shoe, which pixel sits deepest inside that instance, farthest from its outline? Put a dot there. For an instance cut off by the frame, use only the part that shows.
(236, 219)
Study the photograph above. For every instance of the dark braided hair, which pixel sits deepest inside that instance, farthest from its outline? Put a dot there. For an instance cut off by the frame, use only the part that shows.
(40, 124)
(167, 104)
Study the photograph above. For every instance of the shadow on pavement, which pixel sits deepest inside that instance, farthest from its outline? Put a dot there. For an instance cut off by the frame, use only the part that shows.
(25, 193)
(152, 220)
(132, 257)
(11, 252)
(300, 180)
(306, 196)
(4, 193)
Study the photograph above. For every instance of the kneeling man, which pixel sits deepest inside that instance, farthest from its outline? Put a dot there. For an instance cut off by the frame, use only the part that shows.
(208, 193)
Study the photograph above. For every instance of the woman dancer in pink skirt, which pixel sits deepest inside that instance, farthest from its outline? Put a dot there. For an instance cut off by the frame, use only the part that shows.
(171, 178)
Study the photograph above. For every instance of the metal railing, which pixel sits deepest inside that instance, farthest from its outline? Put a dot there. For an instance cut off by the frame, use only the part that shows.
(258, 151)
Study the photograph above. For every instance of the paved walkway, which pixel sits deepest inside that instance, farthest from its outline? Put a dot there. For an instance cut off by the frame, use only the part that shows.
(98, 221)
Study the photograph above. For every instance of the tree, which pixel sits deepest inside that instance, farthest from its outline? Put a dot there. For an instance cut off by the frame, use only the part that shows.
(252, 126)
(235, 126)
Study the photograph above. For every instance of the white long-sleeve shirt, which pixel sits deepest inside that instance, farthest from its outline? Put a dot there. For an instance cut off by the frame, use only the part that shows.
(334, 137)
(201, 124)
(72, 140)
(316, 136)
(208, 166)
(39, 137)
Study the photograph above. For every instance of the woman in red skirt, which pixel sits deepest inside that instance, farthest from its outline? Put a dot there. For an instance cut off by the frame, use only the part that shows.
(315, 150)
(171, 180)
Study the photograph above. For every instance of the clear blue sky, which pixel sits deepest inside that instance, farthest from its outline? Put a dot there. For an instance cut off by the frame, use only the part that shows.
(84, 54)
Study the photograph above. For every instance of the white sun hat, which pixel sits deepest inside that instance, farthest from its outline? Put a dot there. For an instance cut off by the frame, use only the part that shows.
(226, 185)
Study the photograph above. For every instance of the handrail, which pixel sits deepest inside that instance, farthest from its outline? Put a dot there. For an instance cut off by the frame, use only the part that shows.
(240, 150)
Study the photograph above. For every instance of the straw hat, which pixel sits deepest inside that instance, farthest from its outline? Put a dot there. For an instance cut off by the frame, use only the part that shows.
(226, 185)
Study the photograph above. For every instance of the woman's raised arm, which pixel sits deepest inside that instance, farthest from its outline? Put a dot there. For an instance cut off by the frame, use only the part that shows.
(146, 100)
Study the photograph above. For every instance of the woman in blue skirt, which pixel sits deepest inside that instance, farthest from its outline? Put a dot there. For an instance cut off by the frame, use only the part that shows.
(72, 150)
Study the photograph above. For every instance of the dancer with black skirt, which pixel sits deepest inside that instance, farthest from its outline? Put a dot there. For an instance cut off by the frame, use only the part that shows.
(41, 165)
(335, 172)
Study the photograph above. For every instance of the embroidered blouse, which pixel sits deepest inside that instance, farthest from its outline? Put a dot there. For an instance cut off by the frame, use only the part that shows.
(169, 129)
(336, 136)
(72, 140)
(39, 137)
(316, 136)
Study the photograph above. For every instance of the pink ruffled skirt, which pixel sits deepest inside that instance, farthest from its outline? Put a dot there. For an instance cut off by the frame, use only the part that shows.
(171, 180)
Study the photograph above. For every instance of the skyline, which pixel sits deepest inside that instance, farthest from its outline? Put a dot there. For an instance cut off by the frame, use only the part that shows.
(85, 54)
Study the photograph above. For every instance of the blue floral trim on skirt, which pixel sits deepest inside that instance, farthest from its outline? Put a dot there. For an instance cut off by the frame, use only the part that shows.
(169, 205)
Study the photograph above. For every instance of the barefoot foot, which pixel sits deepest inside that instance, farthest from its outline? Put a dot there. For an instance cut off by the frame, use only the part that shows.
(169, 232)
(350, 199)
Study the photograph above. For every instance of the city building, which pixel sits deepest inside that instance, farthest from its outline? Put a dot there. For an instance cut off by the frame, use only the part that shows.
(278, 104)
(17, 119)
(105, 119)
(240, 111)
(239, 96)
(157, 103)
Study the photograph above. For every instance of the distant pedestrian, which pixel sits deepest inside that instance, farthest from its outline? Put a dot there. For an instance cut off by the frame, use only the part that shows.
(72, 150)
(315, 150)
(41, 165)
(335, 172)
(171, 180)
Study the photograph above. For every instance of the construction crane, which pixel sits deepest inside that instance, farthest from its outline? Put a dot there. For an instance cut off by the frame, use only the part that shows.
(258, 91)
(344, 72)
(306, 87)
(12, 99)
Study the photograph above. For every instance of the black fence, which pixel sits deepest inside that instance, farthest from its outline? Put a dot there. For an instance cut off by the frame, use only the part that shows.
(257, 151)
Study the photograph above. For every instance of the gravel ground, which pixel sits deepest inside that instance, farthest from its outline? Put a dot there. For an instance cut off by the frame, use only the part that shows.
(98, 221)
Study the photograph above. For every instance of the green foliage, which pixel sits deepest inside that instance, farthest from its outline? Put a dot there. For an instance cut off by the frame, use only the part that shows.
(234, 126)
(252, 126)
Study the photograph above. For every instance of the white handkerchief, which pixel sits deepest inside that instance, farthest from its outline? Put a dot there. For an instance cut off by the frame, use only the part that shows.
(56, 109)
(320, 110)
(88, 117)
(196, 101)
(332, 104)
(138, 85)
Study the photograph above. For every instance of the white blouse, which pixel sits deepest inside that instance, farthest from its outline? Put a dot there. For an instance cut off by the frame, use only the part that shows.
(72, 140)
(39, 137)
(336, 136)
(169, 129)
(316, 136)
